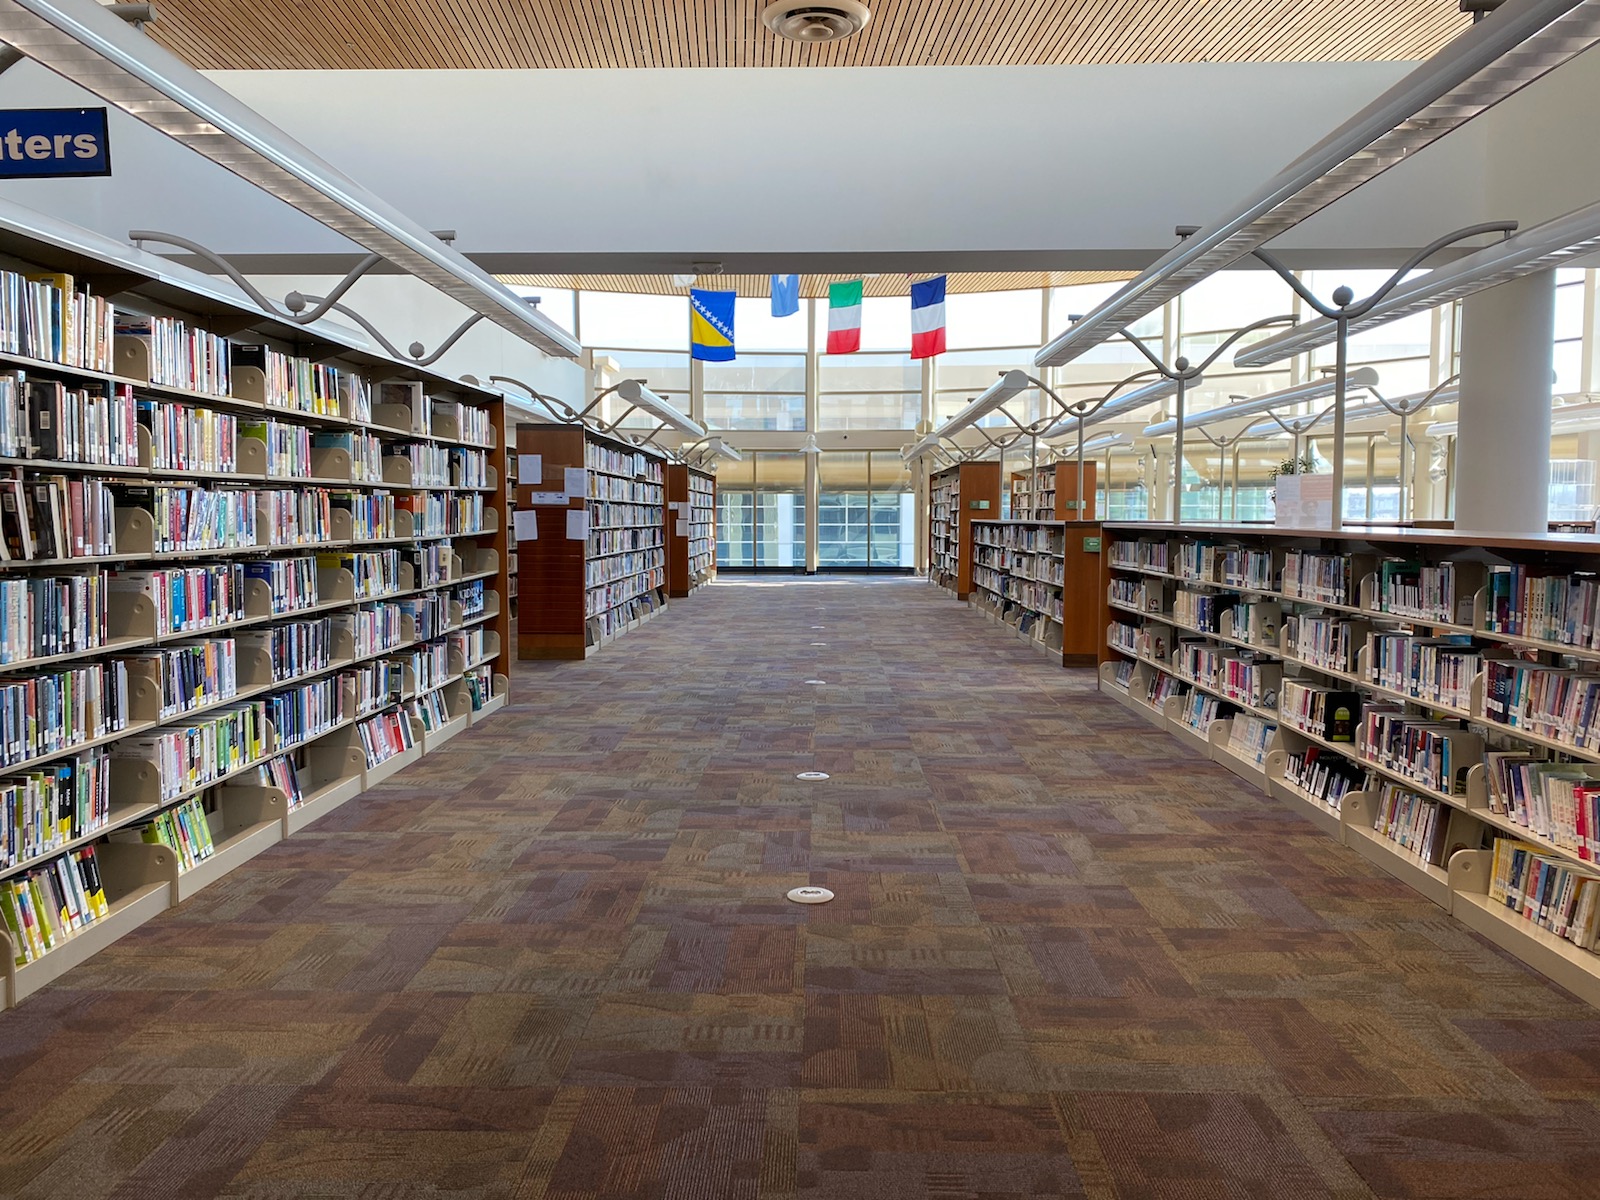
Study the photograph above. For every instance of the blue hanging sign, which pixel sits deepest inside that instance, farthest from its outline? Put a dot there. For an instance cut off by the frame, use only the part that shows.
(46, 143)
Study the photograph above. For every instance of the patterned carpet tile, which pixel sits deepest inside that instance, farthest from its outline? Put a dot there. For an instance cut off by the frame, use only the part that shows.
(554, 961)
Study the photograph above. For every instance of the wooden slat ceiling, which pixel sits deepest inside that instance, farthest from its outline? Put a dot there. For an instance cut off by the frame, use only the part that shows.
(817, 285)
(507, 34)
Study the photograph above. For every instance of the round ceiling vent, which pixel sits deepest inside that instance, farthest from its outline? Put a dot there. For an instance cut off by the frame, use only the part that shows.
(816, 20)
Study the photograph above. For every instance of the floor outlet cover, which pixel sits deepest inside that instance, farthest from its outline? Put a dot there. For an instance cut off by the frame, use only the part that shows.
(810, 895)
(812, 776)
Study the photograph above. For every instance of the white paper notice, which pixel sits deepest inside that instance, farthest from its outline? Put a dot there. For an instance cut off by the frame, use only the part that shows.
(577, 482)
(547, 498)
(577, 524)
(683, 529)
(527, 525)
(530, 468)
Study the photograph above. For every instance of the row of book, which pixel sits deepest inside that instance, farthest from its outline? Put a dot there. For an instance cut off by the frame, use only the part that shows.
(441, 514)
(44, 419)
(468, 468)
(1552, 702)
(606, 515)
(180, 356)
(1324, 641)
(630, 464)
(377, 685)
(430, 464)
(1546, 604)
(295, 383)
(1413, 822)
(1146, 595)
(1039, 539)
(190, 599)
(373, 628)
(183, 829)
(1434, 754)
(1041, 598)
(45, 615)
(471, 424)
(429, 614)
(1557, 801)
(1427, 591)
(196, 755)
(306, 710)
(46, 907)
(53, 517)
(1250, 737)
(1200, 610)
(186, 438)
(1142, 556)
(1433, 670)
(191, 674)
(600, 571)
(51, 711)
(615, 541)
(48, 808)
(1242, 567)
(1200, 709)
(1162, 687)
(622, 611)
(1323, 775)
(48, 316)
(1325, 578)
(1548, 892)
(385, 735)
(293, 648)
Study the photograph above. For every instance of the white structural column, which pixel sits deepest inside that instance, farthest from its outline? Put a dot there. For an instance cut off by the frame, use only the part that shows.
(1503, 444)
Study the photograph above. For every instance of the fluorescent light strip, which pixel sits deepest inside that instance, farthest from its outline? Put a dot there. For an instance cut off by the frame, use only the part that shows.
(1118, 405)
(1518, 43)
(1570, 416)
(631, 391)
(1317, 389)
(1540, 248)
(87, 44)
(1360, 412)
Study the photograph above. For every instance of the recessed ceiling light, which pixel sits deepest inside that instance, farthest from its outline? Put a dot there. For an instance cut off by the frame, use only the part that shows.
(816, 20)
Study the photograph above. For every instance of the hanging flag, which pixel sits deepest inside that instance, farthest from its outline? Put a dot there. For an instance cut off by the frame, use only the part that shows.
(785, 295)
(711, 325)
(927, 318)
(844, 317)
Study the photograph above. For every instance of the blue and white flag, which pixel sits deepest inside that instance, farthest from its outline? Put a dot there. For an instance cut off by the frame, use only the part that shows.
(785, 295)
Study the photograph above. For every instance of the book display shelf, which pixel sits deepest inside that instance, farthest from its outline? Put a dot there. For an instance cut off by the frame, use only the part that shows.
(957, 497)
(592, 561)
(247, 571)
(1050, 493)
(1429, 697)
(1018, 573)
(691, 529)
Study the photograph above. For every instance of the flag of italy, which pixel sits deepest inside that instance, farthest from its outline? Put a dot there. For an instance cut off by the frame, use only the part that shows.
(844, 317)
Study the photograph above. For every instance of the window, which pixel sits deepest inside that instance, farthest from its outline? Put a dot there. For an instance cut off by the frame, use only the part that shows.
(869, 390)
(866, 511)
(665, 371)
(761, 511)
(756, 391)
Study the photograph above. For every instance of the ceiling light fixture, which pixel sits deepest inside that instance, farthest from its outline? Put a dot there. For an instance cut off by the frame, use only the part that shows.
(1552, 244)
(1497, 57)
(816, 21)
(89, 45)
(1300, 393)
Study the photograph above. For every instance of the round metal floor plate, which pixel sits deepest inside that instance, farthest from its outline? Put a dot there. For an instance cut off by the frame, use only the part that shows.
(810, 895)
(812, 776)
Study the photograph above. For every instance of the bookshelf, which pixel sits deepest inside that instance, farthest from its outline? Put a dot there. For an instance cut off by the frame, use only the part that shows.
(1050, 492)
(247, 570)
(957, 497)
(596, 566)
(1018, 572)
(1429, 697)
(691, 529)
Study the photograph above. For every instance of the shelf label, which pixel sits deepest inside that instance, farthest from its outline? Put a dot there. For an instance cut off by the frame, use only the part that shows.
(1091, 545)
(48, 143)
(547, 498)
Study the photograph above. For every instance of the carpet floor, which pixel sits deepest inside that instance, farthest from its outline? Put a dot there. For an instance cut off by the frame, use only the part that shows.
(1067, 958)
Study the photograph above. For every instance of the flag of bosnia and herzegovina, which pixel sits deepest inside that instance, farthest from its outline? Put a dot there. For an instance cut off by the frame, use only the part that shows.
(711, 325)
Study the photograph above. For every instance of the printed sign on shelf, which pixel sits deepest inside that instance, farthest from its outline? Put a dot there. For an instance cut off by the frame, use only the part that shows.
(46, 143)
